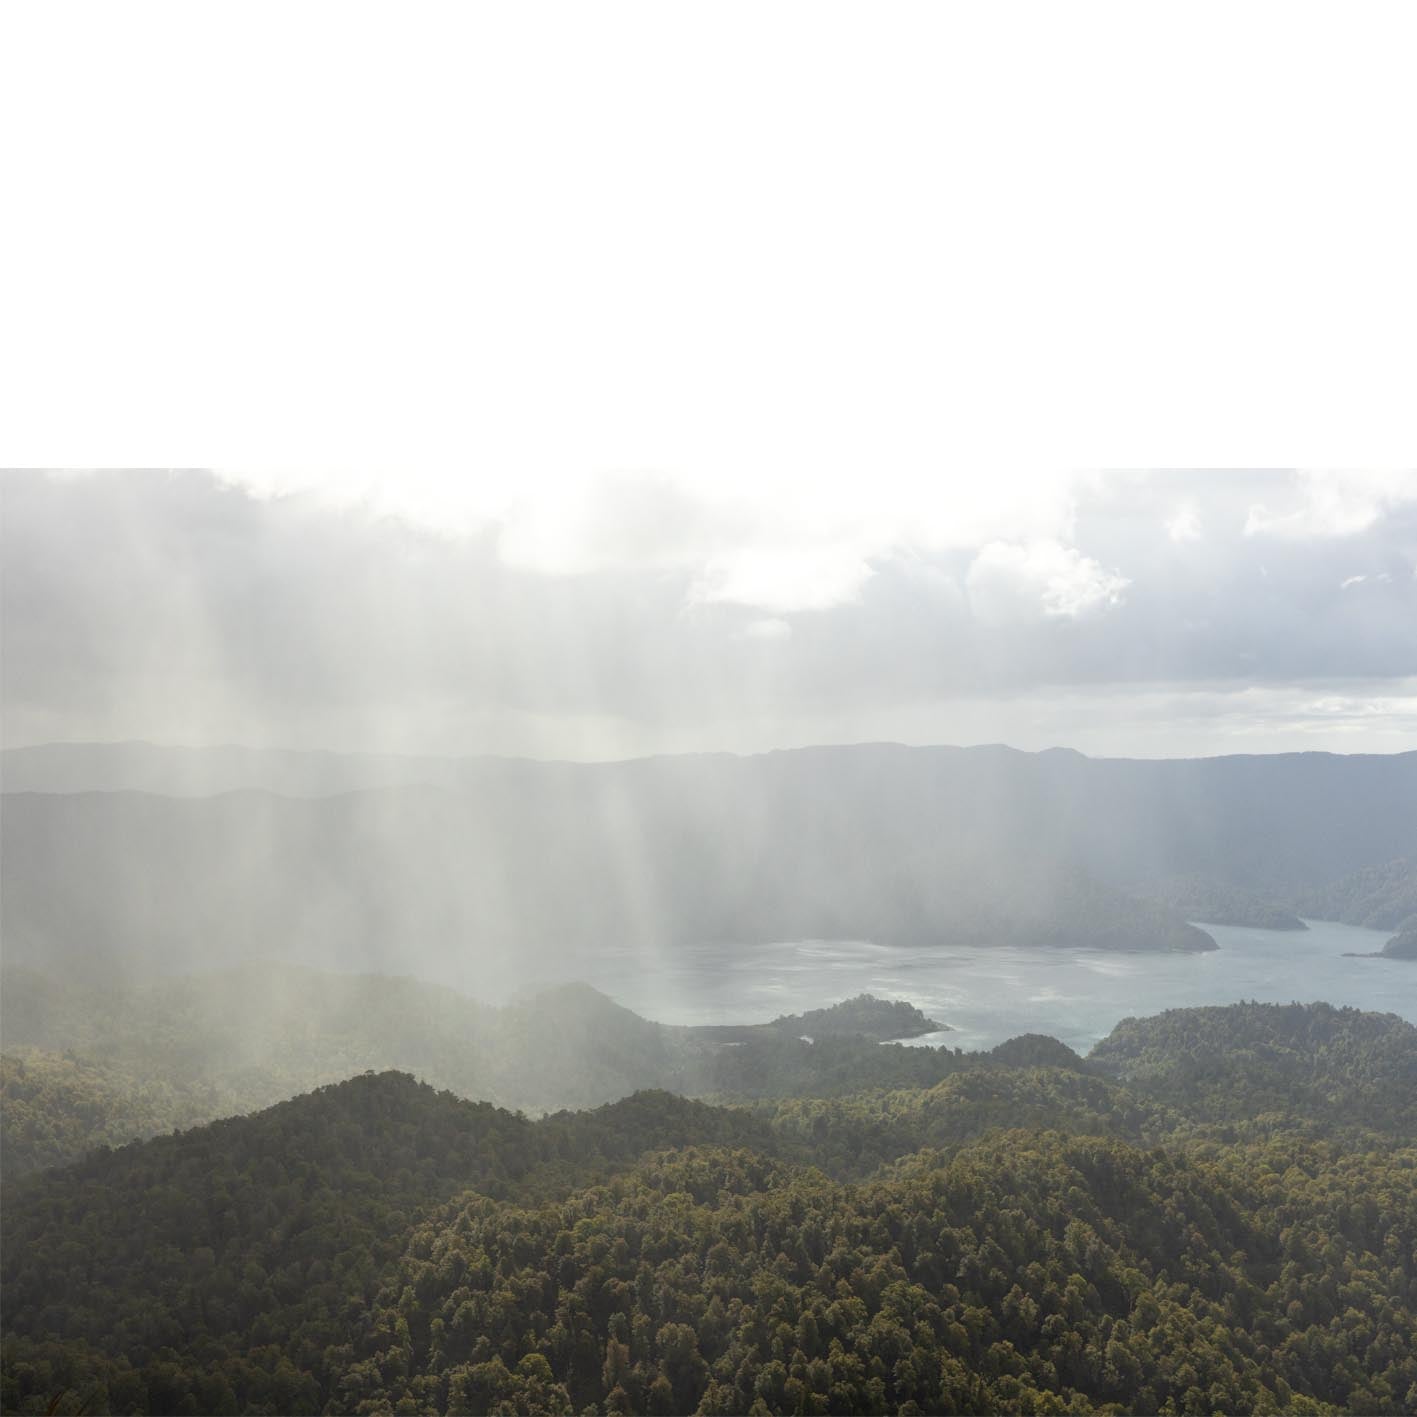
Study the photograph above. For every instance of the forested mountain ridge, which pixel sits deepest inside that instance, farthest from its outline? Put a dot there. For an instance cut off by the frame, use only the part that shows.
(85, 1065)
(1177, 803)
(1031, 1239)
(261, 1032)
(500, 857)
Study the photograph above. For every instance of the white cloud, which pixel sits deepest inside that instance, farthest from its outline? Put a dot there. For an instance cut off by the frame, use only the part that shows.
(620, 521)
(1331, 503)
(778, 537)
(190, 613)
(1184, 524)
(1011, 581)
(1351, 582)
(782, 579)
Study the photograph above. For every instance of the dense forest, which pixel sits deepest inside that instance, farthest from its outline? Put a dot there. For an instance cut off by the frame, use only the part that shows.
(1215, 1211)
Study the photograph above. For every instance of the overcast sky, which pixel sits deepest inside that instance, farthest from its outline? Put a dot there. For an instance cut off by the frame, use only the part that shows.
(710, 355)
(1149, 614)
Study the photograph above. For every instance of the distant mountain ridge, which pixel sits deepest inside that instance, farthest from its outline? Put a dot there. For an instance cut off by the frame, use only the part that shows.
(504, 857)
(204, 771)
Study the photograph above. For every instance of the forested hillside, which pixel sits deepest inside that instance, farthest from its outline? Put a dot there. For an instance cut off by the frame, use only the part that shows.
(1334, 1065)
(1382, 896)
(1218, 902)
(55, 1106)
(1022, 1238)
(514, 872)
(388, 863)
(85, 1065)
(1402, 946)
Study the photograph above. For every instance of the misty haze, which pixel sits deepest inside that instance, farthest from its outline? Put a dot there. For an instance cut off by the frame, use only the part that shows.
(631, 944)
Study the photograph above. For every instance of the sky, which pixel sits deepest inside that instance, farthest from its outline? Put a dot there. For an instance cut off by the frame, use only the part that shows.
(588, 382)
(732, 242)
(616, 614)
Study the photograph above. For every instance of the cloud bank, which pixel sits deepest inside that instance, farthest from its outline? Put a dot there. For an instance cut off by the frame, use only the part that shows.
(607, 616)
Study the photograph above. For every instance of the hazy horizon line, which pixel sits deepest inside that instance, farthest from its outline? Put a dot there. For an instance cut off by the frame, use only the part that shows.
(413, 756)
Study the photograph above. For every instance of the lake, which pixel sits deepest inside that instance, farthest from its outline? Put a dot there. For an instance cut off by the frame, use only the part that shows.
(986, 996)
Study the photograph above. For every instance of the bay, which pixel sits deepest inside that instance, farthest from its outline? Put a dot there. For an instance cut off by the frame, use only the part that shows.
(988, 995)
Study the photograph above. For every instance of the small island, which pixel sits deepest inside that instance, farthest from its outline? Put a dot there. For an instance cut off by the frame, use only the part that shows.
(865, 1016)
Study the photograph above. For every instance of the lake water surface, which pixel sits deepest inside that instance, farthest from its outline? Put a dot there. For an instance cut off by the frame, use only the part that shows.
(986, 996)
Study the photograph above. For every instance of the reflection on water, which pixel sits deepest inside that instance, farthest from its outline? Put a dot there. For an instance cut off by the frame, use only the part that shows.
(987, 996)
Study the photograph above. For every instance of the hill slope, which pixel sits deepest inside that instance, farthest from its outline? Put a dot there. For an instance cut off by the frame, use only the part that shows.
(380, 1247)
(1341, 1066)
(1381, 897)
(85, 1066)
